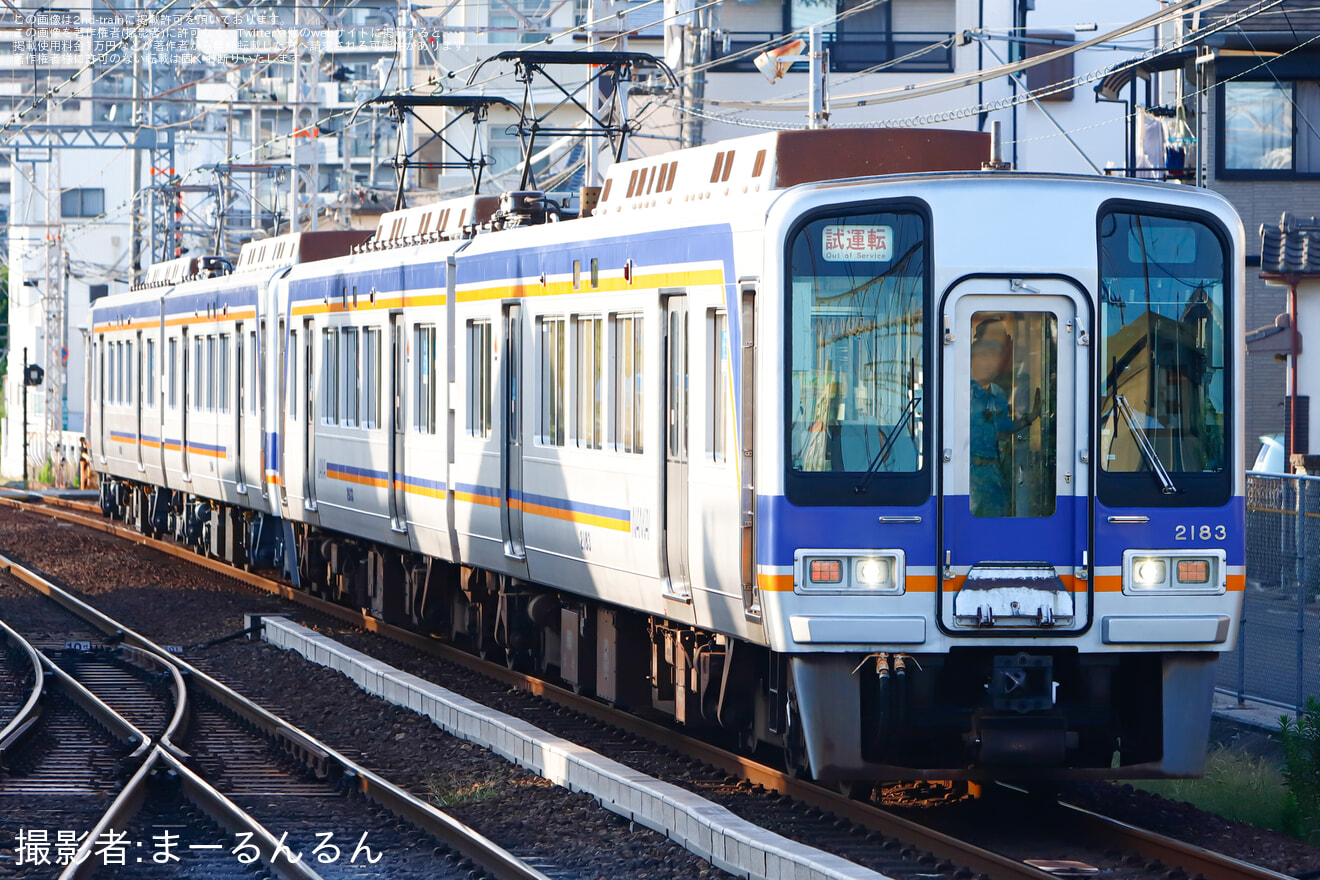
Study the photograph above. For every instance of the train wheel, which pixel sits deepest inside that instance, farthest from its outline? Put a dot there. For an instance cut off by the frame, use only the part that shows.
(796, 762)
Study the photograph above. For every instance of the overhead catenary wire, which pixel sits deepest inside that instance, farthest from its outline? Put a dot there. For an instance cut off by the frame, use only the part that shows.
(1000, 103)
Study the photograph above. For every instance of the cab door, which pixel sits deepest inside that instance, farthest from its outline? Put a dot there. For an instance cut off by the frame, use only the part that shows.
(1014, 479)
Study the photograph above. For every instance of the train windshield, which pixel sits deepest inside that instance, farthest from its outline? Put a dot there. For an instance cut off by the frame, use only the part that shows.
(856, 353)
(1163, 350)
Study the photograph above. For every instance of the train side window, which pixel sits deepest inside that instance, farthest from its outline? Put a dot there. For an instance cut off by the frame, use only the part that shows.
(590, 382)
(290, 374)
(550, 425)
(371, 378)
(211, 370)
(131, 379)
(424, 378)
(173, 385)
(629, 407)
(717, 416)
(479, 378)
(149, 376)
(222, 374)
(251, 384)
(350, 377)
(330, 376)
(577, 274)
(595, 273)
(198, 373)
(116, 367)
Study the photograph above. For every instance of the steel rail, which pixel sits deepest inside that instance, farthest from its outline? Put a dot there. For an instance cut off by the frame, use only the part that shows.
(1211, 865)
(225, 812)
(491, 857)
(115, 724)
(28, 714)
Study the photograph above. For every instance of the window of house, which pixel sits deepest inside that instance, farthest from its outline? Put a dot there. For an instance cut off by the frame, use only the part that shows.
(1270, 128)
(479, 378)
(550, 426)
(424, 379)
(82, 202)
(371, 377)
(330, 373)
(629, 412)
(718, 415)
(351, 377)
(590, 382)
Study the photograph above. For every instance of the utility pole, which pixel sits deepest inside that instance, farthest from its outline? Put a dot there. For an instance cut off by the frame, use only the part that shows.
(52, 309)
(25, 430)
(135, 227)
(818, 102)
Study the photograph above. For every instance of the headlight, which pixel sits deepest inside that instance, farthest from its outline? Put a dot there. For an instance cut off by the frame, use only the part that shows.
(1149, 572)
(840, 572)
(1165, 572)
(873, 572)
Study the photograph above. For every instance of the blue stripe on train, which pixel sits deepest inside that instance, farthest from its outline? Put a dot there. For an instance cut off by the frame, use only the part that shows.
(785, 528)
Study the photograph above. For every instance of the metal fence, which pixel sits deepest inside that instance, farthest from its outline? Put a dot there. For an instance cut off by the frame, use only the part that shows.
(1277, 659)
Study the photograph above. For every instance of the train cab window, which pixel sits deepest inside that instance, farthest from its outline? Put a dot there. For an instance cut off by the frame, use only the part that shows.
(222, 373)
(172, 388)
(858, 292)
(590, 351)
(424, 378)
(149, 376)
(350, 377)
(550, 425)
(629, 411)
(1164, 352)
(371, 378)
(479, 370)
(330, 376)
(717, 415)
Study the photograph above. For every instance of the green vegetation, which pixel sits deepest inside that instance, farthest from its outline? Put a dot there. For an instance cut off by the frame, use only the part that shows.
(1301, 758)
(1237, 786)
(449, 788)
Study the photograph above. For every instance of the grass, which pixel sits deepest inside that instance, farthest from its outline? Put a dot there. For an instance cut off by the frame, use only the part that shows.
(1237, 786)
(451, 789)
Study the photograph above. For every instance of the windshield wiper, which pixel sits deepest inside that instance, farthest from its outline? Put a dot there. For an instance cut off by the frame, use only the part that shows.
(883, 455)
(1143, 443)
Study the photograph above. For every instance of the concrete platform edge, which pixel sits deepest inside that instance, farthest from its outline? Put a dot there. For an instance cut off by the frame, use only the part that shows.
(699, 825)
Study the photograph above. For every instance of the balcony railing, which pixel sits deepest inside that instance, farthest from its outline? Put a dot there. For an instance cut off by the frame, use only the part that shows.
(852, 52)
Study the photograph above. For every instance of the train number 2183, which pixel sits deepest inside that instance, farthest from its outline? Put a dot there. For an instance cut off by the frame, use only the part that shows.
(1201, 532)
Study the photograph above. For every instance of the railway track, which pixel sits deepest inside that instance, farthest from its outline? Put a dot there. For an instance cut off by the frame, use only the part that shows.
(260, 772)
(856, 821)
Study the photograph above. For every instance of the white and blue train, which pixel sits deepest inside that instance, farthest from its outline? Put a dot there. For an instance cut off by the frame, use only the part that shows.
(828, 438)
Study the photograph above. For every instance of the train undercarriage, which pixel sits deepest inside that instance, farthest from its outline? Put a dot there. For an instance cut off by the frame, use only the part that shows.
(972, 713)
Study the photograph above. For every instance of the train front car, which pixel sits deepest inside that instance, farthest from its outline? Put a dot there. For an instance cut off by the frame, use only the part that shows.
(1002, 532)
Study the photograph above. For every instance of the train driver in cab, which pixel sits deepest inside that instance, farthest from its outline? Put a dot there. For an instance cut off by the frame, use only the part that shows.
(991, 416)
